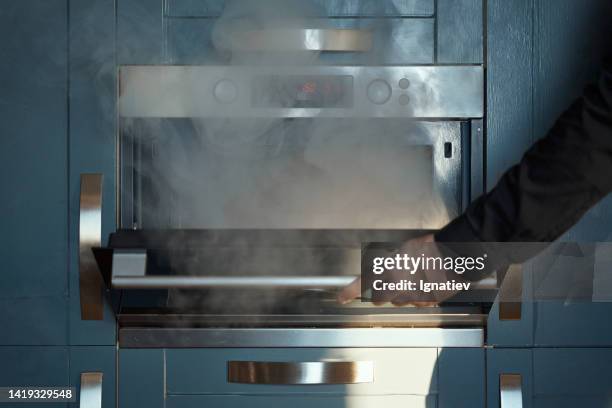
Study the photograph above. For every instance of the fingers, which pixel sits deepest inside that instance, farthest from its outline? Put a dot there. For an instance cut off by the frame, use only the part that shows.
(350, 292)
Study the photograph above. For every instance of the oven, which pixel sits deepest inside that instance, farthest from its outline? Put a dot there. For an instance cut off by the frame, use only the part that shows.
(249, 175)
(247, 192)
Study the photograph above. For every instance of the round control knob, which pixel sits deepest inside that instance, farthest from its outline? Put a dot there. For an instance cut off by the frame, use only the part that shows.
(379, 91)
(225, 91)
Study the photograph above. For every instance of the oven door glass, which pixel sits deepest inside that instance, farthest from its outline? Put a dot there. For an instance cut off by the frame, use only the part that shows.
(289, 174)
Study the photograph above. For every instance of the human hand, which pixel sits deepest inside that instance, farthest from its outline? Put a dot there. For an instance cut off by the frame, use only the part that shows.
(422, 245)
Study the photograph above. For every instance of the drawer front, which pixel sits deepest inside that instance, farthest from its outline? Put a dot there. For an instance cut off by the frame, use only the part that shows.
(253, 401)
(323, 8)
(395, 371)
(190, 41)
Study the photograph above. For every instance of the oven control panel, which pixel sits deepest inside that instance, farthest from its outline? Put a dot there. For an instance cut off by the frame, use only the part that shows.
(312, 91)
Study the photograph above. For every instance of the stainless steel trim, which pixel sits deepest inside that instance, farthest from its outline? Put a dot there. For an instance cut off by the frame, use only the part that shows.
(91, 390)
(510, 294)
(129, 262)
(301, 39)
(302, 372)
(199, 282)
(188, 91)
(510, 391)
(143, 337)
(90, 231)
(400, 317)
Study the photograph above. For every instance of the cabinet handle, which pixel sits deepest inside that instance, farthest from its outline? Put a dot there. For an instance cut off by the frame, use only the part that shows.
(313, 372)
(90, 231)
(510, 391)
(91, 390)
(510, 293)
(303, 39)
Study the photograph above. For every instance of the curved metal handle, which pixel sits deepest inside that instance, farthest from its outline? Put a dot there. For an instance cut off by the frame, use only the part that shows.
(307, 372)
(90, 231)
(510, 391)
(91, 390)
(304, 39)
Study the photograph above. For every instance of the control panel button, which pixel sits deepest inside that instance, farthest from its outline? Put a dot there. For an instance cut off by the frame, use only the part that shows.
(379, 91)
(225, 91)
(404, 83)
(404, 99)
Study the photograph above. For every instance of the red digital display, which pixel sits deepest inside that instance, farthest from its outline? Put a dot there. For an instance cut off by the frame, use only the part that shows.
(309, 87)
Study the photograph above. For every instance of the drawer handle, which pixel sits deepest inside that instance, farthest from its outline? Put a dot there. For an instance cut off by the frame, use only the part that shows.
(303, 39)
(510, 293)
(90, 231)
(307, 372)
(510, 391)
(91, 390)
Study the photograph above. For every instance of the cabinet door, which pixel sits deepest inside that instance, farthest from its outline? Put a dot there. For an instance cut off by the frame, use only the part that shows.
(33, 366)
(141, 381)
(530, 82)
(560, 75)
(509, 377)
(97, 360)
(572, 377)
(33, 165)
(92, 130)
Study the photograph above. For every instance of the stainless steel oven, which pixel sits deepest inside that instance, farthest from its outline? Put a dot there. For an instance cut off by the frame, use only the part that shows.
(246, 192)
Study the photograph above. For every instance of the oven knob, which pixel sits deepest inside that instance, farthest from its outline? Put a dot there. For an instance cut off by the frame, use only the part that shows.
(225, 91)
(379, 91)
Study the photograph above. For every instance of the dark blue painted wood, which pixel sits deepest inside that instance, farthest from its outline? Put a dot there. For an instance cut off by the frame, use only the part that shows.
(509, 125)
(94, 359)
(33, 86)
(140, 32)
(509, 361)
(460, 33)
(141, 378)
(461, 378)
(572, 38)
(34, 366)
(577, 372)
(33, 320)
(92, 140)
(509, 84)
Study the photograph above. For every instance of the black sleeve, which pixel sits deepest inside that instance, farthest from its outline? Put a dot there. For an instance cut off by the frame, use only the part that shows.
(558, 179)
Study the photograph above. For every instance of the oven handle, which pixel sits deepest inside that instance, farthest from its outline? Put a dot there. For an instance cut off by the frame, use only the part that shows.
(303, 39)
(237, 282)
(90, 231)
(91, 390)
(128, 271)
(510, 391)
(300, 373)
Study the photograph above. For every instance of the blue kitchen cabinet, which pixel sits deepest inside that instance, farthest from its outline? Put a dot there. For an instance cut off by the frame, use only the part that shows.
(33, 166)
(509, 121)
(92, 129)
(31, 366)
(531, 80)
(504, 364)
(584, 29)
(99, 361)
(141, 381)
(571, 377)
